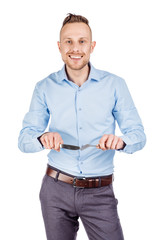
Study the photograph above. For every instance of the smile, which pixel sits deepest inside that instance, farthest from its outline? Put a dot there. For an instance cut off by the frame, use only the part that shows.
(75, 57)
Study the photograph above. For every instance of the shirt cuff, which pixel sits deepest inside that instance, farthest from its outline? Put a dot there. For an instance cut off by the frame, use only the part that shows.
(37, 142)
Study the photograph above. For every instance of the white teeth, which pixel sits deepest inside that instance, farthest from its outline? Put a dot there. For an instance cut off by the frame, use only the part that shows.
(75, 57)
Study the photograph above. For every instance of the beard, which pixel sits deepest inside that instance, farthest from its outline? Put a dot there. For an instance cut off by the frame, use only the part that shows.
(76, 64)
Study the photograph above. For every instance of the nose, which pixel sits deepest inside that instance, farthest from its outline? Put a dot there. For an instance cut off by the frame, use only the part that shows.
(75, 47)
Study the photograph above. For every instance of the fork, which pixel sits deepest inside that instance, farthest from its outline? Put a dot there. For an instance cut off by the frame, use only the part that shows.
(88, 145)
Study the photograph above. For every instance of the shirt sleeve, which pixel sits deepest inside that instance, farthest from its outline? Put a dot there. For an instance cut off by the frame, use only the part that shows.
(128, 119)
(34, 123)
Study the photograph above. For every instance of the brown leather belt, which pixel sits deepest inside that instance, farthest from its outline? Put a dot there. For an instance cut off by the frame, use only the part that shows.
(80, 182)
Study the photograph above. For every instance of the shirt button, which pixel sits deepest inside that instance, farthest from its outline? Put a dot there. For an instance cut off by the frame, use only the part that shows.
(81, 162)
(80, 171)
(80, 127)
(80, 109)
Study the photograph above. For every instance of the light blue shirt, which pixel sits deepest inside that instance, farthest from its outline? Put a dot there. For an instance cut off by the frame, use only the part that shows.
(82, 115)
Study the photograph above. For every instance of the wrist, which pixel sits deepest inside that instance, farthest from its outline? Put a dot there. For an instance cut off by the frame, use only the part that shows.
(39, 138)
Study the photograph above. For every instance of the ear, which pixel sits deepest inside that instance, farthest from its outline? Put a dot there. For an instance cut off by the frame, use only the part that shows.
(93, 44)
(59, 46)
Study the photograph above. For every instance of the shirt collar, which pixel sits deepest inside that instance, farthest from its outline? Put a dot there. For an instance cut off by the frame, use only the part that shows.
(93, 75)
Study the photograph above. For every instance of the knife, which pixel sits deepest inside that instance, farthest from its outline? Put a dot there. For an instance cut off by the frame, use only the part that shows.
(71, 147)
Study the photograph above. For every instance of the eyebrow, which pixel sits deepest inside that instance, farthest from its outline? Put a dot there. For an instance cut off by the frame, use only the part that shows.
(79, 38)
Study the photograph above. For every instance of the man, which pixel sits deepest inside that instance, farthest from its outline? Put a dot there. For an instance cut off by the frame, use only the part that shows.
(83, 104)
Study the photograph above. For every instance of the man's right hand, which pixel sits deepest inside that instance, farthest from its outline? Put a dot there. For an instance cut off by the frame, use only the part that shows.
(51, 140)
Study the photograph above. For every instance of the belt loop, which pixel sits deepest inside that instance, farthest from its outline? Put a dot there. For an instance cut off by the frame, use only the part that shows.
(99, 182)
(57, 175)
(93, 182)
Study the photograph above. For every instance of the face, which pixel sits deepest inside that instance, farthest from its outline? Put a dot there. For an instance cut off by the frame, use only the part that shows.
(76, 45)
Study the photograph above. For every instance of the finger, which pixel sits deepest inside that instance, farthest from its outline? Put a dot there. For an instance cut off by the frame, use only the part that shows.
(51, 143)
(47, 142)
(60, 142)
(43, 142)
(102, 142)
(57, 141)
(108, 143)
(120, 144)
(114, 142)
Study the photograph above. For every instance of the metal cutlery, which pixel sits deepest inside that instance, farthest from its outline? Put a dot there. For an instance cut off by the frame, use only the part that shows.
(88, 145)
(73, 147)
(70, 147)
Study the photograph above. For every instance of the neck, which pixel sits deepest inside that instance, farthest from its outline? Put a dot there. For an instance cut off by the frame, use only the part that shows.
(78, 76)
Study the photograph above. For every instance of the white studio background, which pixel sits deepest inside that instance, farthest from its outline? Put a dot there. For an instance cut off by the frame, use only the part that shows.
(128, 45)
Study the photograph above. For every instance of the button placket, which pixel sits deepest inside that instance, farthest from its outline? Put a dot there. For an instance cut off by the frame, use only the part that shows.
(79, 110)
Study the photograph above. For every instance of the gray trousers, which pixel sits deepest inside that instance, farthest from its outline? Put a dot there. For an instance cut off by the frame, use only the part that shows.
(62, 205)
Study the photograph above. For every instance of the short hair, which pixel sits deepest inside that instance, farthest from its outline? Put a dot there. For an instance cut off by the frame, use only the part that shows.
(73, 18)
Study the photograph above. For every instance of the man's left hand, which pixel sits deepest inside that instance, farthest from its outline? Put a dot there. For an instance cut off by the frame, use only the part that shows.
(110, 141)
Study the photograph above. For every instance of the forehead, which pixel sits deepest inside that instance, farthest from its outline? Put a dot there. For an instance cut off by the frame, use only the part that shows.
(75, 30)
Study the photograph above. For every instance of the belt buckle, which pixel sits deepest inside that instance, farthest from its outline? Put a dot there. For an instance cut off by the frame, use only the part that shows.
(74, 181)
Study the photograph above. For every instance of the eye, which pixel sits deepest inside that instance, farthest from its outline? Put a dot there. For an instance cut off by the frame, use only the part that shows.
(69, 41)
(82, 41)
